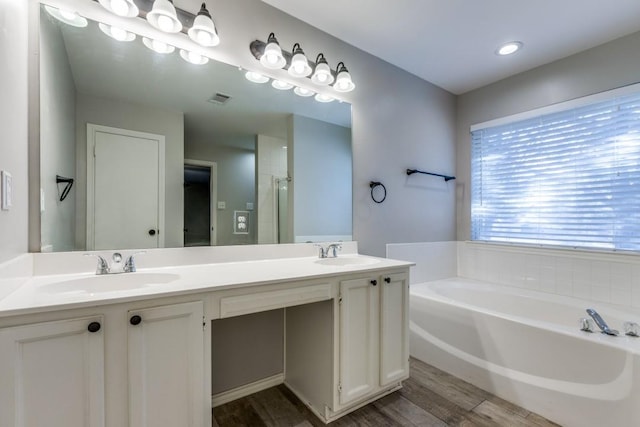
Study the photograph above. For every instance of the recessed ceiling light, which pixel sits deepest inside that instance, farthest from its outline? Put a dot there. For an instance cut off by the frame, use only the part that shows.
(509, 48)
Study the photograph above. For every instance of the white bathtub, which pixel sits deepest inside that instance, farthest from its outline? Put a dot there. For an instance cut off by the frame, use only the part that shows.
(526, 347)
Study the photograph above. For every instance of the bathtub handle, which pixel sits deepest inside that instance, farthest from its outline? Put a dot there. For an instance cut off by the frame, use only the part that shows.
(387, 279)
(374, 282)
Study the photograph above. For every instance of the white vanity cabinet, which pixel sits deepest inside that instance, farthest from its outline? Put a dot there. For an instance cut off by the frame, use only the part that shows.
(166, 366)
(374, 346)
(52, 374)
(140, 363)
(345, 353)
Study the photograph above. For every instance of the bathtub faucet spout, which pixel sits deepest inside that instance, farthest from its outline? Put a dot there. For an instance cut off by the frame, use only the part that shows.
(601, 323)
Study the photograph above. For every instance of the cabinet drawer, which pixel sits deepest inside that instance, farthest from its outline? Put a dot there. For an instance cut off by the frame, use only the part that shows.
(269, 300)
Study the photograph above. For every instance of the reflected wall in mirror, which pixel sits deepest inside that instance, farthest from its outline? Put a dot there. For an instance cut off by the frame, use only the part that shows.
(121, 120)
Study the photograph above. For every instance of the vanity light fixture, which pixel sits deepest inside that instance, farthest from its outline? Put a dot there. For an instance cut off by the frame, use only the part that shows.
(301, 91)
(509, 48)
(117, 33)
(158, 46)
(321, 97)
(343, 79)
(322, 73)
(193, 57)
(281, 85)
(204, 30)
(125, 8)
(67, 16)
(299, 66)
(163, 16)
(272, 57)
(254, 77)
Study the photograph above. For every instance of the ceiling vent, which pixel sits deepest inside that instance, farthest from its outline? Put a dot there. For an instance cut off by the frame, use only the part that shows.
(219, 98)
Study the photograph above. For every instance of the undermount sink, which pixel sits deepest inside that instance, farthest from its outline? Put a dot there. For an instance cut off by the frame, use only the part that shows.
(345, 261)
(109, 283)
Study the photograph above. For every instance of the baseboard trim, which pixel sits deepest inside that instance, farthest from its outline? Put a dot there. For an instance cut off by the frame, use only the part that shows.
(245, 390)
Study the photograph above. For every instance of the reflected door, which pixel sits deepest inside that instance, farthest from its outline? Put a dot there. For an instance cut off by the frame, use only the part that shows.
(125, 189)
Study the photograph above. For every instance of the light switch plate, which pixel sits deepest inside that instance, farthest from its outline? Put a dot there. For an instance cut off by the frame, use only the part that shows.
(222, 205)
(7, 190)
(249, 206)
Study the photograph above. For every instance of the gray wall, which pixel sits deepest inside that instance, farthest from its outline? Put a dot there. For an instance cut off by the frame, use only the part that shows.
(399, 121)
(236, 184)
(14, 124)
(58, 138)
(141, 118)
(605, 67)
(322, 175)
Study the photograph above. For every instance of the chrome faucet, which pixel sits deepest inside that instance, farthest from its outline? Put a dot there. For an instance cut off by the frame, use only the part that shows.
(604, 328)
(330, 251)
(116, 266)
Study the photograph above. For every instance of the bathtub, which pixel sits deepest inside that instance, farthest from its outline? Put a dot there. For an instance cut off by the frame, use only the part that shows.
(526, 347)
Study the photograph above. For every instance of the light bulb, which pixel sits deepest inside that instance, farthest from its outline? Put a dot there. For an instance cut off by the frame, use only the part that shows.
(159, 46)
(120, 7)
(165, 23)
(322, 77)
(195, 57)
(204, 38)
(299, 68)
(118, 33)
(254, 77)
(68, 15)
(272, 58)
(301, 91)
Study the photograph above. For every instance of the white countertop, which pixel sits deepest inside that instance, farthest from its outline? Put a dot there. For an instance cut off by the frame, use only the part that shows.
(40, 293)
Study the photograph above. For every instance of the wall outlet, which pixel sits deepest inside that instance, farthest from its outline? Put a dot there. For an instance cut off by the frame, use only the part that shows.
(222, 205)
(7, 190)
(241, 222)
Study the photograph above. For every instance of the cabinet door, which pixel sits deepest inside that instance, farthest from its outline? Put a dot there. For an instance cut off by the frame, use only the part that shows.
(394, 322)
(358, 338)
(166, 366)
(52, 374)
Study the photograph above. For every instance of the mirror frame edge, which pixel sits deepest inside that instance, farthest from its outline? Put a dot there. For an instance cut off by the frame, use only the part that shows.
(33, 123)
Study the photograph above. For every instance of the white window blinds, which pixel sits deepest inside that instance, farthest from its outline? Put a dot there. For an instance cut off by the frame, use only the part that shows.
(570, 178)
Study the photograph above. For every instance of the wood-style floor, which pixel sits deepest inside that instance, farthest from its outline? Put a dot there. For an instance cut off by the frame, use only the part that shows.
(430, 397)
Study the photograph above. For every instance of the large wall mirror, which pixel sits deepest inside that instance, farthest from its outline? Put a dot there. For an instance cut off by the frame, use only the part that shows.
(165, 153)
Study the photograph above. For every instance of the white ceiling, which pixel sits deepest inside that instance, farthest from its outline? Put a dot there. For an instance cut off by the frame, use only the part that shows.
(451, 43)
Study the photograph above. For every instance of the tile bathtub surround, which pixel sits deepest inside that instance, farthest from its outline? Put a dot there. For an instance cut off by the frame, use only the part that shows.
(596, 276)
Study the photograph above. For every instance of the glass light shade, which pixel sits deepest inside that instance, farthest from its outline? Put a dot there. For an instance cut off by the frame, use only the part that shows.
(301, 91)
(321, 97)
(272, 57)
(117, 33)
(299, 65)
(158, 46)
(322, 74)
(203, 30)
(66, 16)
(163, 17)
(193, 57)
(343, 80)
(280, 85)
(254, 77)
(125, 8)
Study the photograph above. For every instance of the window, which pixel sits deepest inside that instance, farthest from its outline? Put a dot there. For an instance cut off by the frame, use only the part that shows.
(566, 178)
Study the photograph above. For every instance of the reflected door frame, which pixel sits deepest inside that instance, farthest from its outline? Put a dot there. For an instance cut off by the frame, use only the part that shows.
(92, 130)
(213, 191)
